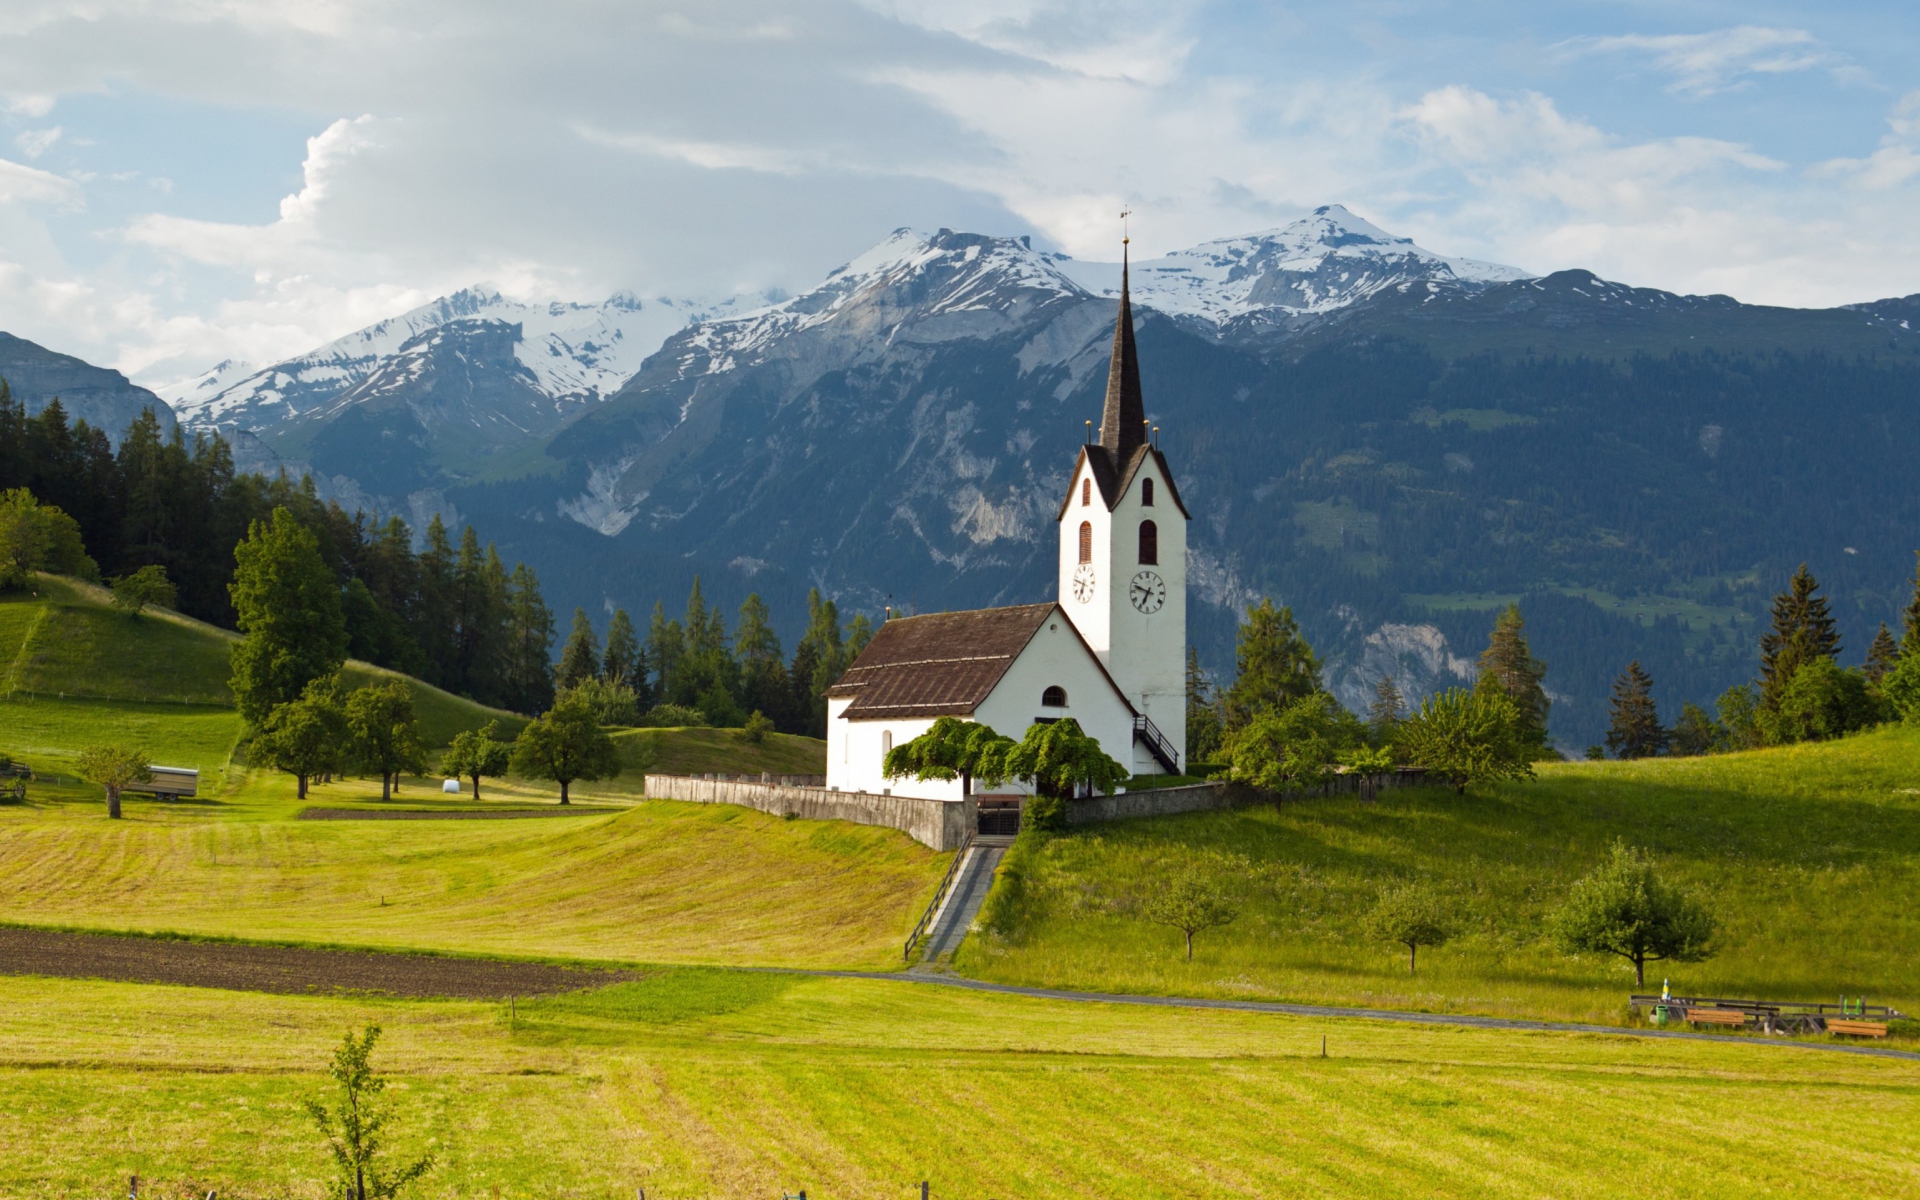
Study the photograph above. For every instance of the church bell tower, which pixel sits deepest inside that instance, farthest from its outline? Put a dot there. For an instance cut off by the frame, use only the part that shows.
(1123, 557)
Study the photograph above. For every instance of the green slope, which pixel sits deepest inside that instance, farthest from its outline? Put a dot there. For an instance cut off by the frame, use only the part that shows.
(64, 641)
(1809, 855)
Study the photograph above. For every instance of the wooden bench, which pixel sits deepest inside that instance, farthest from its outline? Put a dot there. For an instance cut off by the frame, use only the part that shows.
(1857, 1028)
(1716, 1016)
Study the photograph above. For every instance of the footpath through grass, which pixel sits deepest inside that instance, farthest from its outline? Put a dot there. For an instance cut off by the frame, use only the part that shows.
(699, 1083)
(1809, 855)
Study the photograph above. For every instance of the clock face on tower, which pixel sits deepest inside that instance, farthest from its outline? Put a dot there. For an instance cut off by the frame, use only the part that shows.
(1083, 582)
(1148, 593)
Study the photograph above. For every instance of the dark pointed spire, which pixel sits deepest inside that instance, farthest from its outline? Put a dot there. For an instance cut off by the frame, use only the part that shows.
(1123, 423)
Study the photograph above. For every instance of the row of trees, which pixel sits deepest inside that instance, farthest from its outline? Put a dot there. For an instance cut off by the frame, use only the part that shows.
(1277, 726)
(1802, 692)
(1623, 908)
(453, 615)
(691, 672)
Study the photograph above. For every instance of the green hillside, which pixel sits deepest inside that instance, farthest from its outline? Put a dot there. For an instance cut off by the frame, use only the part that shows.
(63, 641)
(1809, 855)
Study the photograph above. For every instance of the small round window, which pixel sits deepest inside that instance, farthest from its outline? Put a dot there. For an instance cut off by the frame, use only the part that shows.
(1054, 697)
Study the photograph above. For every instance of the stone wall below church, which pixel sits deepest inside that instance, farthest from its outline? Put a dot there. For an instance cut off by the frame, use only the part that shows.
(1204, 797)
(941, 824)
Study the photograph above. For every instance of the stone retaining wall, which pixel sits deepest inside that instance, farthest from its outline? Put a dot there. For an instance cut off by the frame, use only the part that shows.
(941, 824)
(1202, 797)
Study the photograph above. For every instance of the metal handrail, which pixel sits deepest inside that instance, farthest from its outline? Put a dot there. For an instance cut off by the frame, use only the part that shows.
(940, 893)
(1145, 729)
(1846, 1008)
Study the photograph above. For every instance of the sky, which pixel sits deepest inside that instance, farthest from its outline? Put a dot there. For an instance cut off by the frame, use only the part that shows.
(186, 181)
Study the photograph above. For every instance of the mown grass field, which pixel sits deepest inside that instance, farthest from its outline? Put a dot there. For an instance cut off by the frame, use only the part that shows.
(1810, 857)
(712, 1084)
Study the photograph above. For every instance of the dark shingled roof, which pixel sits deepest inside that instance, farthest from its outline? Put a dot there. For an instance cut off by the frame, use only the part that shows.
(938, 665)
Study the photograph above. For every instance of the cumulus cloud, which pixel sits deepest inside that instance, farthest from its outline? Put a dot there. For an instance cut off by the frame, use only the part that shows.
(571, 149)
(1721, 59)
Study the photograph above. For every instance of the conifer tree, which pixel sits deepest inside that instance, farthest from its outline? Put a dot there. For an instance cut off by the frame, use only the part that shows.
(1276, 665)
(529, 684)
(1388, 707)
(621, 664)
(1509, 665)
(1881, 655)
(1802, 631)
(580, 657)
(1203, 715)
(1635, 731)
(1910, 619)
(763, 673)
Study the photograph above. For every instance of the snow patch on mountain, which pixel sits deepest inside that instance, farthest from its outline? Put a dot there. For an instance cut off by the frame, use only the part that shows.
(573, 352)
(1323, 262)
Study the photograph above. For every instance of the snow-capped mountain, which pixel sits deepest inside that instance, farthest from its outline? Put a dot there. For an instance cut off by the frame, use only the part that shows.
(923, 287)
(572, 354)
(1327, 261)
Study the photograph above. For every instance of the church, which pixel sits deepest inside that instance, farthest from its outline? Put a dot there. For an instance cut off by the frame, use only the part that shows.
(1110, 652)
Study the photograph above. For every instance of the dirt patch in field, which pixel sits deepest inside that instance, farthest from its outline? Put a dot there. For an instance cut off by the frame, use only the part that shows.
(462, 814)
(283, 969)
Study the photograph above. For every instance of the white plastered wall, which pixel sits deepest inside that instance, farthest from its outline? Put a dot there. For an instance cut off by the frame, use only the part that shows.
(1145, 653)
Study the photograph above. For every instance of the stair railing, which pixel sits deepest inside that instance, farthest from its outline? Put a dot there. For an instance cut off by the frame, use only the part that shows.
(940, 893)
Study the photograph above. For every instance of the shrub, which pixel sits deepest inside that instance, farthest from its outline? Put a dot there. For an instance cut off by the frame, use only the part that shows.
(758, 726)
(611, 703)
(673, 716)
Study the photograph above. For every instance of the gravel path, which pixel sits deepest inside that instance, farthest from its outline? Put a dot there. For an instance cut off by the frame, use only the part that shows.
(459, 814)
(284, 969)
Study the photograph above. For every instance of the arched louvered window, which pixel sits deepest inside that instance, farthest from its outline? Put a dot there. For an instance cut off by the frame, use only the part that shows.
(1086, 492)
(1086, 541)
(1149, 542)
(1146, 492)
(1054, 697)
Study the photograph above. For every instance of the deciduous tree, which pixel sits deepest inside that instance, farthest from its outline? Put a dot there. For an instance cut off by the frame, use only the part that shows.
(564, 744)
(305, 737)
(355, 1127)
(1060, 760)
(1412, 915)
(1466, 737)
(950, 749)
(1191, 900)
(288, 605)
(476, 753)
(113, 768)
(1626, 908)
(385, 733)
(1295, 746)
(149, 585)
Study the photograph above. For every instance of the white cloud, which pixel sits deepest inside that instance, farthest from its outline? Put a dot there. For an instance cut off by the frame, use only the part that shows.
(1895, 164)
(21, 182)
(36, 142)
(29, 105)
(1721, 59)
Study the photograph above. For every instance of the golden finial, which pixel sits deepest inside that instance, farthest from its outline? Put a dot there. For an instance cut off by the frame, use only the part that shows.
(1125, 232)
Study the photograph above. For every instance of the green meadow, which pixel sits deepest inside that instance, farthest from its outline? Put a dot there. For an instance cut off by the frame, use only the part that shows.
(1809, 856)
(722, 1084)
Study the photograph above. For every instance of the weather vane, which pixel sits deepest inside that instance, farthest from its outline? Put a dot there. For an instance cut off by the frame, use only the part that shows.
(1124, 214)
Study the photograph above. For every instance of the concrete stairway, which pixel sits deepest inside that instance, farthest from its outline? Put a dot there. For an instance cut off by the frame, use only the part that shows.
(963, 901)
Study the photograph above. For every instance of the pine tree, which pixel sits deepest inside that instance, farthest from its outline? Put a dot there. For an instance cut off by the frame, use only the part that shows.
(825, 653)
(1276, 665)
(666, 646)
(580, 658)
(1802, 631)
(622, 663)
(1388, 706)
(529, 682)
(1636, 731)
(1203, 716)
(435, 621)
(1910, 619)
(1881, 655)
(1508, 664)
(763, 675)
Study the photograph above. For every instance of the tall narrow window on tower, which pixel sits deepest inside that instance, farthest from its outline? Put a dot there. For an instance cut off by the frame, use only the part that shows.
(1086, 492)
(1146, 493)
(1086, 541)
(1149, 543)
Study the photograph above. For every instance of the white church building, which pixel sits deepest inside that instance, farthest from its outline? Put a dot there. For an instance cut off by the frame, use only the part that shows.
(1109, 653)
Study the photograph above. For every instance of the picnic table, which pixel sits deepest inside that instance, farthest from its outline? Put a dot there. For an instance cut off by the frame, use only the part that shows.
(1853, 1017)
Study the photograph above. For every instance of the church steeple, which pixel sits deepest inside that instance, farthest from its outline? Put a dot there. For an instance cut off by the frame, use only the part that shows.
(1123, 423)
